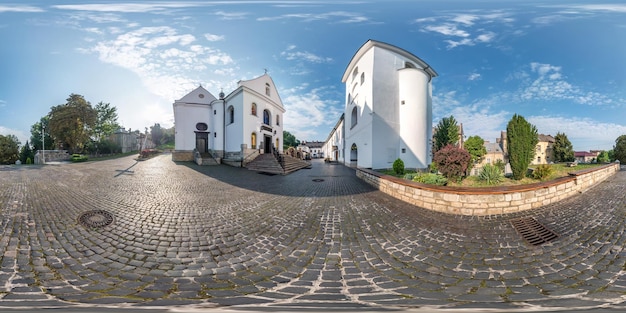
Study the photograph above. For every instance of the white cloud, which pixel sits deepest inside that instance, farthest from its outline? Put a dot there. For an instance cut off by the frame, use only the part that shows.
(307, 110)
(584, 133)
(448, 30)
(336, 16)
(167, 62)
(212, 37)
(21, 136)
(291, 55)
(127, 7)
(473, 76)
(20, 8)
(461, 24)
(231, 15)
(551, 84)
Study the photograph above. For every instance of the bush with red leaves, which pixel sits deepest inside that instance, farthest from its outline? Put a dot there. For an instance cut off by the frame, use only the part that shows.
(452, 162)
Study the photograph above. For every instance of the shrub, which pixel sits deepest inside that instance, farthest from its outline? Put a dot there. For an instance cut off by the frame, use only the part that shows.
(78, 158)
(432, 167)
(409, 176)
(431, 179)
(29, 161)
(542, 171)
(398, 166)
(490, 174)
(452, 162)
(500, 164)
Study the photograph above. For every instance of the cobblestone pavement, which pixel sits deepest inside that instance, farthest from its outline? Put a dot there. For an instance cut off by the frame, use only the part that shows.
(318, 238)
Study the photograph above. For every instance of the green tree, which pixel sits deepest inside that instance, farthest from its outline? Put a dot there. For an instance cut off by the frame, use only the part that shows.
(156, 134)
(611, 155)
(9, 149)
(106, 121)
(73, 123)
(603, 157)
(35, 135)
(289, 140)
(446, 133)
(521, 142)
(563, 149)
(476, 148)
(26, 152)
(619, 150)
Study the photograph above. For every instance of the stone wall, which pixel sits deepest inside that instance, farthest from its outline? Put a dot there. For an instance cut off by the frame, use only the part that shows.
(482, 201)
(182, 156)
(52, 156)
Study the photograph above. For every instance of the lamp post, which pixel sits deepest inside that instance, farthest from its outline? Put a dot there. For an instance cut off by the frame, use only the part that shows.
(43, 143)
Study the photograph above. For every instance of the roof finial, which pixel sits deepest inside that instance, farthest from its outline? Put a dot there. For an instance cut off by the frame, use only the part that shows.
(221, 93)
(265, 70)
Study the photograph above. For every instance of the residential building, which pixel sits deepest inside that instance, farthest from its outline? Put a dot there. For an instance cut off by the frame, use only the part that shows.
(388, 109)
(586, 157)
(544, 152)
(333, 147)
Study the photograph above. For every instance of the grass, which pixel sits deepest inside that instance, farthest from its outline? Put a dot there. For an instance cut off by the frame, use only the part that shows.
(559, 170)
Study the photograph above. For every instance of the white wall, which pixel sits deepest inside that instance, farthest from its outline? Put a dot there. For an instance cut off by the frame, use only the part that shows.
(414, 118)
(186, 118)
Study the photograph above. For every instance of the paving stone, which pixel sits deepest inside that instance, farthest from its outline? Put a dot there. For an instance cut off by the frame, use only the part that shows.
(187, 234)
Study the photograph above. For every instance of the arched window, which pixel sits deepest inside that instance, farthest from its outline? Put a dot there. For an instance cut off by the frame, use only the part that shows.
(355, 116)
(409, 65)
(253, 109)
(277, 142)
(267, 89)
(253, 141)
(231, 114)
(266, 117)
(362, 78)
(277, 120)
(355, 72)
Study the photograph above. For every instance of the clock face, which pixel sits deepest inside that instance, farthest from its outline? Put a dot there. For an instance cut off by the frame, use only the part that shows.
(201, 96)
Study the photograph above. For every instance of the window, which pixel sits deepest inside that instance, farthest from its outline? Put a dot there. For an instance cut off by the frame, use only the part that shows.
(403, 150)
(267, 89)
(266, 117)
(231, 114)
(409, 65)
(277, 120)
(355, 72)
(253, 141)
(355, 115)
(362, 78)
(202, 126)
(253, 109)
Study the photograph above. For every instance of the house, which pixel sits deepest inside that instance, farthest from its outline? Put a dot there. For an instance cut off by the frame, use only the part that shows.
(388, 109)
(333, 147)
(586, 157)
(312, 149)
(231, 127)
(544, 152)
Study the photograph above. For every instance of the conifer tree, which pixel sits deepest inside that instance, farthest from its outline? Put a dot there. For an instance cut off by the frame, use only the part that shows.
(521, 142)
(563, 149)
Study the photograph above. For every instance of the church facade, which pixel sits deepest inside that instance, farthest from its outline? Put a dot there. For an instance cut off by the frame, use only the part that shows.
(388, 110)
(229, 127)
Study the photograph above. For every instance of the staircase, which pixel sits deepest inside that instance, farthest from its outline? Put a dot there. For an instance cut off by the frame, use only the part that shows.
(205, 159)
(267, 163)
(293, 164)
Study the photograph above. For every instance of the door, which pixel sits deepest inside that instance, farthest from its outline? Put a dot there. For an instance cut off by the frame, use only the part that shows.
(268, 144)
(202, 142)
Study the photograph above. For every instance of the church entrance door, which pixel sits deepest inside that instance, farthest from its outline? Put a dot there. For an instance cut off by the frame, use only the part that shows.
(267, 142)
(202, 142)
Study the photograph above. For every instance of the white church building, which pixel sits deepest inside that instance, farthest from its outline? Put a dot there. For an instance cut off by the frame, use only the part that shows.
(388, 110)
(231, 127)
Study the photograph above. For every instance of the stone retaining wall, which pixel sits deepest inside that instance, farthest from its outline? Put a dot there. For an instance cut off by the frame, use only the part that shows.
(480, 201)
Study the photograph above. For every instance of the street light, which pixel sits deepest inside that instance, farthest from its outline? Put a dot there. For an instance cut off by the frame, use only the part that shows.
(43, 143)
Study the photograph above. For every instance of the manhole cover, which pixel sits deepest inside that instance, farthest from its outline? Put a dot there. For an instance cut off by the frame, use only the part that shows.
(317, 180)
(533, 232)
(96, 219)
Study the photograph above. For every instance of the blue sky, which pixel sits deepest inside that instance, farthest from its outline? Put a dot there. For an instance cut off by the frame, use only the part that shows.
(560, 64)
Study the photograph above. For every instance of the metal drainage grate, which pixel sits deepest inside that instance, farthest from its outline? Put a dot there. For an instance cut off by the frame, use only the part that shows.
(96, 219)
(317, 180)
(533, 232)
